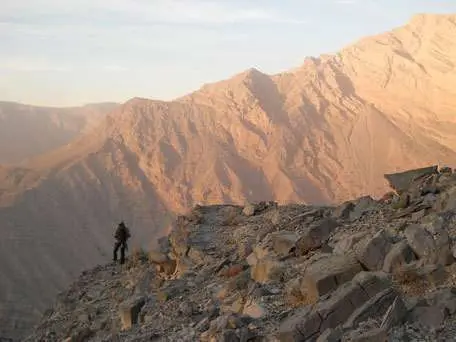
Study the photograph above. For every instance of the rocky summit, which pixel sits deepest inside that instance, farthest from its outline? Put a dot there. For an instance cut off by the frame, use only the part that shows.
(366, 270)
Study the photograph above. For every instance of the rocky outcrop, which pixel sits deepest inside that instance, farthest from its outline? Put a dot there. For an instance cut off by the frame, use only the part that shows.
(314, 274)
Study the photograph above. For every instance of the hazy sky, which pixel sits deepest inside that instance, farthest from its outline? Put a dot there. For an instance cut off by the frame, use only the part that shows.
(69, 52)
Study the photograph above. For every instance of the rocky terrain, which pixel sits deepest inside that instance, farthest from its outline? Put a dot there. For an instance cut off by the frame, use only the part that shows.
(322, 133)
(366, 270)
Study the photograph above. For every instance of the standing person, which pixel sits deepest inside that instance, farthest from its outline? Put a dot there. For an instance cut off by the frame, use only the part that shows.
(121, 235)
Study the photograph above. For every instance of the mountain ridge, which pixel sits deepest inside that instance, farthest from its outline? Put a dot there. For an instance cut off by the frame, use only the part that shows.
(321, 133)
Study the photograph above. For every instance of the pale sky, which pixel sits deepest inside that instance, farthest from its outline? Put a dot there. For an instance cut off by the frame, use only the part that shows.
(71, 52)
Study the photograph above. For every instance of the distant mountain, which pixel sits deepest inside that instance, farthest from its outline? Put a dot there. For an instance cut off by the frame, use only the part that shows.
(324, 132)
(27, 131)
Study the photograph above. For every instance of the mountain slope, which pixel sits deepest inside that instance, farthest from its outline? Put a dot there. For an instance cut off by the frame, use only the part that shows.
(324, 132)
(28, 131)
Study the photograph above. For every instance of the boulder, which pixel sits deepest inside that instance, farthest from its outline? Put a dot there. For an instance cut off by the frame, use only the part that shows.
(362, 206)
(428, 316)
(401, 202)
(129, 312)
(345, 243)
(372, 282)
(394, 315)
(432, 248)
(157, 257)
(343, 211)
(283, 242)
(327, 274)
(304, 325)
(420, 240)
(310, 321)
(253, 309)
(315, 235)
(371, 251)
(375, 307)
(400, 254)
(402, 181)
(263, 270)
(249, 210)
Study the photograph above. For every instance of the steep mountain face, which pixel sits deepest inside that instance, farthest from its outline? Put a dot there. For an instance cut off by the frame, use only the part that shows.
(324, 132)
(28, 131)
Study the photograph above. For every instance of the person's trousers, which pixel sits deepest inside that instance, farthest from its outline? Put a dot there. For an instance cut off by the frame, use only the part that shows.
(121, 245)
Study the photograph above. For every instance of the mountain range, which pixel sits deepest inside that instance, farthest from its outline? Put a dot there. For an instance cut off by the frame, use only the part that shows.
(324, 132)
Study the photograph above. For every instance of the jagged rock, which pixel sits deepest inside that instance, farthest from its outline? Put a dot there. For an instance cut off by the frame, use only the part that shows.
(327, 274)
(371, 251)
(362, 206)
(315, 235)
(343, 211)
(428, 316)
(372, 282)
(401, 202)
(302, 326)
(374, 308)
(157, 257)
(283, 242)
(400, 254)
(394, 315)
(447, 200)
(255, 208)
(249, 210)
(254, 309)
(129, 312)
(401, 181)
(426, 247)
(310, 321)
(345, 244)
(262, 271)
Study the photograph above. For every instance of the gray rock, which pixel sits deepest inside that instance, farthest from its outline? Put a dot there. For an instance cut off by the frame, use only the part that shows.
(315, 235)
(394, 315)
(401, 181)
(374, 308)
(302, 326)
(428, 316)
(371, 251)
(343, 211)
(327, 274)
(420, 240)
(283, 242)
(401, 253)
(362, 206)
(249, 210)
(331, 335)
(372, 282)
(345, 244)
(129, 312)
(431, 248)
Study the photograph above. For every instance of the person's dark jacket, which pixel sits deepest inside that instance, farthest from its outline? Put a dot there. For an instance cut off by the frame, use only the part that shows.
(122, 233)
